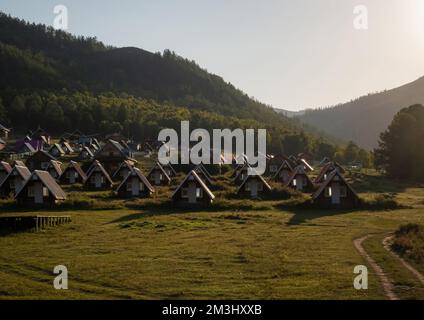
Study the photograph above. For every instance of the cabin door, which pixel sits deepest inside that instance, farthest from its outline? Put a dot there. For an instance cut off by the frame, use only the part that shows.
(285, 176)
(157, 177)
(192, 192)
(299, 183)
(38, 193)
(135, 186)
(72, 177)
(98, 181)
(253, 188)
(335, 193)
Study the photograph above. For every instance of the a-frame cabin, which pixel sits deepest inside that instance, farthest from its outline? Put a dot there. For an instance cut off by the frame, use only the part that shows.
(300, 181)
(135, 184)
(336, 192)
(72, 174)
(193, 191)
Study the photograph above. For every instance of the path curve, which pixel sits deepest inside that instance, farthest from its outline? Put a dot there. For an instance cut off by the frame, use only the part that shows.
(385, 281)
(387, 242)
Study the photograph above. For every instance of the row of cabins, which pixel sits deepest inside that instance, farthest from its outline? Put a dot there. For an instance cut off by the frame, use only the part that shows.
(333, 190)
(114, 158)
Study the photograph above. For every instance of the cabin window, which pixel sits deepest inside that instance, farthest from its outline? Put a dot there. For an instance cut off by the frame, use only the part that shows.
(141, 186)
(129, 186)
(325, 176)
(294, 182)
(199, 193)
(343, 191)
(184, 193)
(161, 176)
(247, 186)
(30, 191)
(260, 187)
(328, 192)
(45, 192)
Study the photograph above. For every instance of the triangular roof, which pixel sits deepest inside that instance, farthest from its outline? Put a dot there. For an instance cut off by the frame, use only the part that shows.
(159, 166)
(6, 166)
(329, 179)
(306, 164)
(116, 145)
(68, 146)
(3, 128)
(29, 147)
(328, 168)
(205, 171)
(78, 169)
(200, 170)
(97, 164)
(246, 166)
(85, 148)
(299, 171)
(58, 147)
(137, 172)
(168, 165)
(123, 164)
(200, 181)
(19, 163)
(48, 181)
(48, 155)
(285, 165)
(23, 171)
(250, 176)
(56, 165)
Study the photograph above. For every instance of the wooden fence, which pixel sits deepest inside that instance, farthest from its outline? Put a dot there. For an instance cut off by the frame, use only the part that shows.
(35, 223)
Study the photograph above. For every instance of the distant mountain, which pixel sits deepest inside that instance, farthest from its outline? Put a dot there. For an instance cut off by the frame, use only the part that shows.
(61, 81)
(363, 120)
(289, 114)
(36, 57)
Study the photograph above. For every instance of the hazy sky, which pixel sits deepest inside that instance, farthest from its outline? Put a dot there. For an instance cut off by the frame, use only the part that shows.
(289, 53)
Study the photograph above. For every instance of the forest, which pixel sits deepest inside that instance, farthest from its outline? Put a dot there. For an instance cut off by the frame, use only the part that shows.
(61, 82)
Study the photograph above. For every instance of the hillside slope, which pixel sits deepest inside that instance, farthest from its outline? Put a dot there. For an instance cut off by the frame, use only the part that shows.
(36, 57)
(363, 120)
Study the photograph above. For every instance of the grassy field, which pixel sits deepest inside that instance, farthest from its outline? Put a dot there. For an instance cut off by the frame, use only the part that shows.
(266, 250)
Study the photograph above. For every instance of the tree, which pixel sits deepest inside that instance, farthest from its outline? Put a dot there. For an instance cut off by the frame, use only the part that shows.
(351, 153)
(400, 150)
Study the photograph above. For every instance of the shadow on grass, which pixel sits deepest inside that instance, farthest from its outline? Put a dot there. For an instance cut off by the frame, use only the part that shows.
(169, 208)
(306, 216)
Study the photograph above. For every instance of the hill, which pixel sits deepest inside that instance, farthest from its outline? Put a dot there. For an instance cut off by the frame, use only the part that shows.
(363, 120)
(36, 57)
(62, 82)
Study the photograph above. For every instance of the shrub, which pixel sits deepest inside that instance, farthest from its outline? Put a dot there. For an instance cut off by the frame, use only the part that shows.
(409, 242)
(385, 201)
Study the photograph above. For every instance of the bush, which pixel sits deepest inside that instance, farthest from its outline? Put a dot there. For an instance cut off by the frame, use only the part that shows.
(385, 201)
(409, 242)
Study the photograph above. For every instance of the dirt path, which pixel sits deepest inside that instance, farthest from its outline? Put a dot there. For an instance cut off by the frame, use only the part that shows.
(387, 245)
(385, 281)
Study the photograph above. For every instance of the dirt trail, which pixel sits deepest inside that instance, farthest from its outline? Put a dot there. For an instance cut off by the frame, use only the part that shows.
(387, 245)
(385, 281)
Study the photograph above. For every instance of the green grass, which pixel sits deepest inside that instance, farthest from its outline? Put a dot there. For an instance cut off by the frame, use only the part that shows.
(144, 249)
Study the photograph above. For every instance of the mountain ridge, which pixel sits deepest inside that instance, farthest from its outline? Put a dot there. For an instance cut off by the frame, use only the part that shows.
(362, 120)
